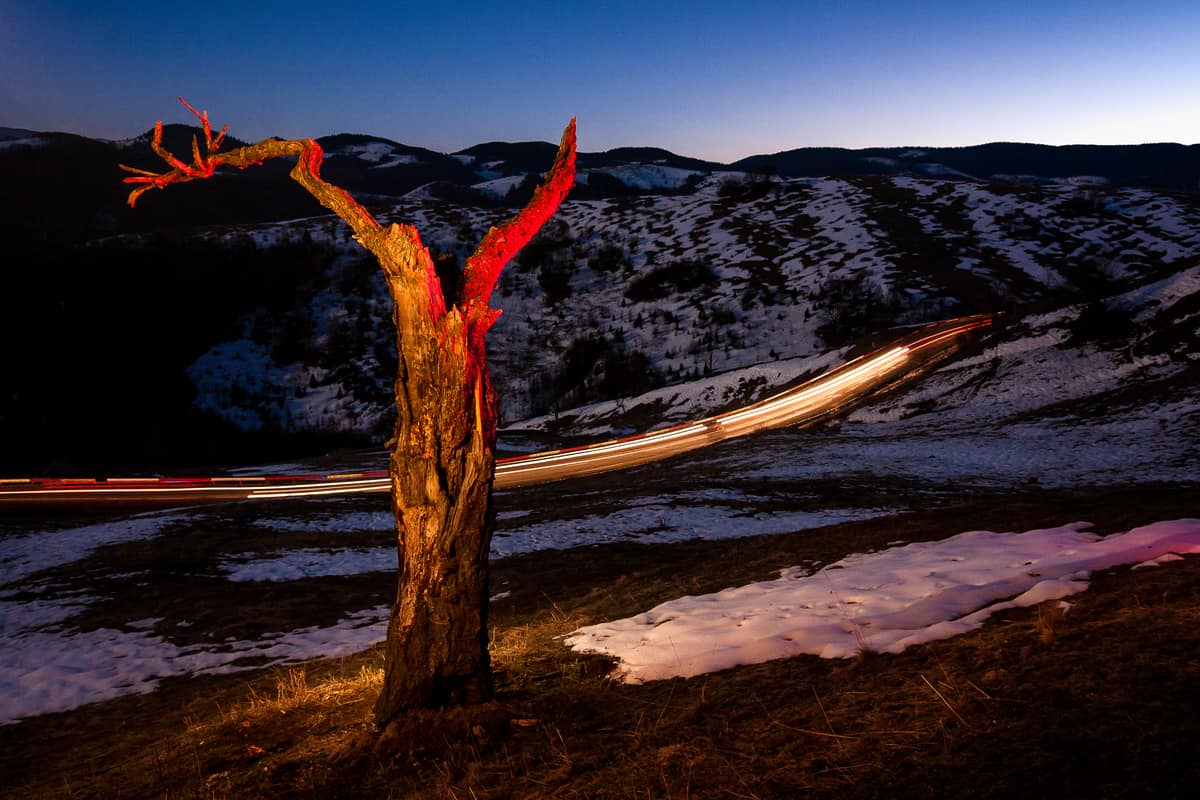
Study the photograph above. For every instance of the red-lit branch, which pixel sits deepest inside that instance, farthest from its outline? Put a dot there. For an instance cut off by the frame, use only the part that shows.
(203, 164)
(501, 244)
(307, 171)
(213, 145)
(483, 268)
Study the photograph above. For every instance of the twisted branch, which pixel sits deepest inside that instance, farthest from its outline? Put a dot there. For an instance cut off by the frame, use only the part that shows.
(481, 270)
(307, 171)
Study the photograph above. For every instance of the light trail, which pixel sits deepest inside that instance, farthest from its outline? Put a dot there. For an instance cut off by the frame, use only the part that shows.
(809, 401)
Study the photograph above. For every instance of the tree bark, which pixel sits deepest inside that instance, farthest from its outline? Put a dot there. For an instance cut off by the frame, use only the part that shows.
(442, 464)
(443, 453)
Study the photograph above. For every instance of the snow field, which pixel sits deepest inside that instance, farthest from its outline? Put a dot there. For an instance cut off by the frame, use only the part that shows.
(1046, 235)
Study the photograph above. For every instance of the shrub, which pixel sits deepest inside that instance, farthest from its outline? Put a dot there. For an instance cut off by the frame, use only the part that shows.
(555, 279)
(853, 307)
(597, 368)
(676, 276)
(608, 258)
(745, 189)
(543, 248)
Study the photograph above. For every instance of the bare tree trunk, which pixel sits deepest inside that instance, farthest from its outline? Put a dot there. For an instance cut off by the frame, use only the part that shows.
(443, 453)
(442, 464)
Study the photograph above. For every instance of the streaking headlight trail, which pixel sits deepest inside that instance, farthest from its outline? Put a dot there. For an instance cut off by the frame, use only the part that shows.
(825, 394)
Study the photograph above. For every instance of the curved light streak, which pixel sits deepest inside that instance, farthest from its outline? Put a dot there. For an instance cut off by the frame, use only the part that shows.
(813, 399)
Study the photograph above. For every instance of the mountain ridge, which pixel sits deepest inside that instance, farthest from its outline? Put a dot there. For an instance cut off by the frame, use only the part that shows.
(36, 166)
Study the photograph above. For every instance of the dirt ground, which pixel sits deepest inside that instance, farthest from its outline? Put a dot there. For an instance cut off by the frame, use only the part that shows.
(1097, 702)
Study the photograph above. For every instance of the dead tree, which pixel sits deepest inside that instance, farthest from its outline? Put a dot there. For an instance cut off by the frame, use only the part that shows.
(443, 451)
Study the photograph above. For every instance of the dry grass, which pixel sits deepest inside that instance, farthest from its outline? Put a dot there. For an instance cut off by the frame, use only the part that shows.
(1095, 703)
(293, 691)
(1051, 619)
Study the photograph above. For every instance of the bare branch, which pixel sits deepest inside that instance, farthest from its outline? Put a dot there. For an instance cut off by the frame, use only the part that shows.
(501, 244)
(397, 247)
(307, 172)
(212, 144)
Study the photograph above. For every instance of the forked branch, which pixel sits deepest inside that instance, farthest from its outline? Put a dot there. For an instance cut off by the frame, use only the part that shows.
(307, 171)
(482, 268)
(203, 164)
(500, 244)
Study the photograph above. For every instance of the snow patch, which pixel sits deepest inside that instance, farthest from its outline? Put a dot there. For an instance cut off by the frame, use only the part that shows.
(28, 141)
(883, 602)
(499, 187)
(43, 671)
(309, 562)
(23, 555)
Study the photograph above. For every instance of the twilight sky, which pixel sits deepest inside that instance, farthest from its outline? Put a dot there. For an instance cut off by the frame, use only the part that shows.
(717, 80)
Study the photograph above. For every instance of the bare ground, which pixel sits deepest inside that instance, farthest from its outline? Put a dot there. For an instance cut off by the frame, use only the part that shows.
(1100, 702)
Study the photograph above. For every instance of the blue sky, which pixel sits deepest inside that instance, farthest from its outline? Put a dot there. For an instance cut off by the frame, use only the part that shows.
(707, 79)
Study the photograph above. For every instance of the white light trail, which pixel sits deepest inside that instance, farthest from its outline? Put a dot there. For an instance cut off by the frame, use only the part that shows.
(798, 404)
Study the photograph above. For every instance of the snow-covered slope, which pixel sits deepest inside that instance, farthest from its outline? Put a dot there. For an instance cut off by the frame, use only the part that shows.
(624, 296)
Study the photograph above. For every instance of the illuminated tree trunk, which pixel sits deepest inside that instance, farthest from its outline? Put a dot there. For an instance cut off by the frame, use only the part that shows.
(443, 452)
(442, 463)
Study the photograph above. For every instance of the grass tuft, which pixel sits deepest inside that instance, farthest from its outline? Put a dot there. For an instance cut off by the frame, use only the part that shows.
(1051, 620)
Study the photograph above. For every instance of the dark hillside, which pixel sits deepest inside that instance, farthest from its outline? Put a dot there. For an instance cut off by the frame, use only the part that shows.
(645, 155)
(7, 134)
(812, 161)
(1162, 166)
(514, 156)
(684, 277)
(105, 333)
(398, 170)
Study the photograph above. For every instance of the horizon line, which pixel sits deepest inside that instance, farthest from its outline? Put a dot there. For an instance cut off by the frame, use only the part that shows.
(628, 146)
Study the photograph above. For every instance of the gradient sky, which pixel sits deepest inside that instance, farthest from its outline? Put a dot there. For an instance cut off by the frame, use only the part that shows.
(716, 80)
